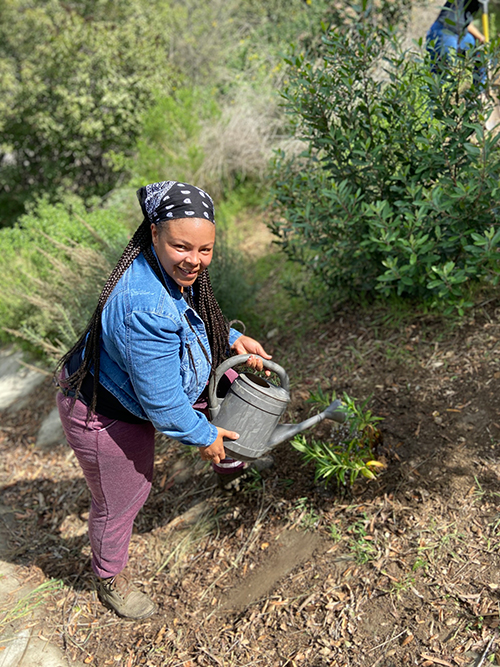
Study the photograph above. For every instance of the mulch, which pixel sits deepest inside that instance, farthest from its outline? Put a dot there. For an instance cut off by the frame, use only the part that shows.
(401, 570)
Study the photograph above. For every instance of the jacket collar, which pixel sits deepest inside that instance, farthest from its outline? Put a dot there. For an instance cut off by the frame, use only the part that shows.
(171, 285)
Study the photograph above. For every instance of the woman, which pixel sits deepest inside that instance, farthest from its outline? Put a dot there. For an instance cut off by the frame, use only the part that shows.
(453, 32)
(145, 358)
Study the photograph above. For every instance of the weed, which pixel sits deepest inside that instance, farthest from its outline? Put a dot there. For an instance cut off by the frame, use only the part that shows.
(399, 587)
(253, 481)
(335, 533)
(360, 543)
(28, 603)
(420, 563)
(309, 518)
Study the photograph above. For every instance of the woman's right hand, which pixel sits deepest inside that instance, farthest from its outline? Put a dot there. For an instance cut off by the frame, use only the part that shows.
(215, 452)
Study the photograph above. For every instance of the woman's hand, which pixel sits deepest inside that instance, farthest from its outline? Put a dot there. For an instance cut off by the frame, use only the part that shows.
(215, 452)
(247, 345)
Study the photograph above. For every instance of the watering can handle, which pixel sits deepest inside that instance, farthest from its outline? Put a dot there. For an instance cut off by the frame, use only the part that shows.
(214, 401)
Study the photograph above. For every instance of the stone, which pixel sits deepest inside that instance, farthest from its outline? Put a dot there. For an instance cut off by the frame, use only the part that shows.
(51, 431)
(16, 381)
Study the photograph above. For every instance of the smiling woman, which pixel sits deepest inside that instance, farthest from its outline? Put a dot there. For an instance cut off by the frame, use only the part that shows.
(143, 363)
(184, 248)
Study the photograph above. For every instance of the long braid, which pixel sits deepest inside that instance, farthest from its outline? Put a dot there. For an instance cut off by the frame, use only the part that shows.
(91, 337)
(211, 314)
(205, 302)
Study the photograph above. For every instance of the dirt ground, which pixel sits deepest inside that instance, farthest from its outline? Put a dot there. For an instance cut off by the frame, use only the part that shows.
(282, 571)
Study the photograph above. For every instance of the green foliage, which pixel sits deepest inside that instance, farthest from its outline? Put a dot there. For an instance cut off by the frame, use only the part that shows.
(55, 262)
(360, 544)
(396, 192)
(169, 143)
(229, 277)
(350, 454)
(76, 80)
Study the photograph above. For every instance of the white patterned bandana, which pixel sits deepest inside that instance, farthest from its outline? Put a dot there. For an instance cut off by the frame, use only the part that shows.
(170, 200)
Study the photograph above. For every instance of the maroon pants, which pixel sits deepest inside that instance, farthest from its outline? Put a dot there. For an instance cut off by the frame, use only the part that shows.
(117, 461)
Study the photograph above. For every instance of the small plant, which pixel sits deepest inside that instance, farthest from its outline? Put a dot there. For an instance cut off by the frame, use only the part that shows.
(335, 533)
(399, 587)
(309, 518)
(360, 543)
(351, 453)
(28, 603)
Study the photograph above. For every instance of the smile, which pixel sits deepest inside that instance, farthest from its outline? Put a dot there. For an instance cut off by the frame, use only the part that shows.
(187, 273)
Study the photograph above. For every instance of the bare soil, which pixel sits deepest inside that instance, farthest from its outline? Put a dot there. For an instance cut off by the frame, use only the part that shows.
(283, 571)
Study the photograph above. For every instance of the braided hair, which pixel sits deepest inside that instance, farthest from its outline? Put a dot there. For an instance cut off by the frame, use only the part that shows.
(205, 304)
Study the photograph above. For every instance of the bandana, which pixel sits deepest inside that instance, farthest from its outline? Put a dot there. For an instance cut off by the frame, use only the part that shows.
(170, 200)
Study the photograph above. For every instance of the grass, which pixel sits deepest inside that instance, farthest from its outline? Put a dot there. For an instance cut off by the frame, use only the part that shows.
(360, 543)
(26, 605)
(308, 516)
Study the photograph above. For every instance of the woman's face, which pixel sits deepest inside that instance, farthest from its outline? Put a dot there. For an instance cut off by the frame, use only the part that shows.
(184, 247)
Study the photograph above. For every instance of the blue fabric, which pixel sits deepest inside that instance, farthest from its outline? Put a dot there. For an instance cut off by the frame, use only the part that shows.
(151, 359)
(440, 40)
(444, 45)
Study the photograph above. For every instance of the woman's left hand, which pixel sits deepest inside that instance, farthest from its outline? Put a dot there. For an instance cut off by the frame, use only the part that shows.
(247, 345)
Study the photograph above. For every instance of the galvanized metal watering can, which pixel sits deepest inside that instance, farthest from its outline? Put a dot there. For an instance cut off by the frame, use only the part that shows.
(253, 406)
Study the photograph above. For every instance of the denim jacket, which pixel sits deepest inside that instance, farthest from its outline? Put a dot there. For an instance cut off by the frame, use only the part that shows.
(151, 358)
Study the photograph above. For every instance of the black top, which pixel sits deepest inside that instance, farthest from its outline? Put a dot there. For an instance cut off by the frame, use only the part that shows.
(107, 404)
(456, 15)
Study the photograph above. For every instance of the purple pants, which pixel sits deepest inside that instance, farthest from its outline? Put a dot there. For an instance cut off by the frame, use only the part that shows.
(117, 461)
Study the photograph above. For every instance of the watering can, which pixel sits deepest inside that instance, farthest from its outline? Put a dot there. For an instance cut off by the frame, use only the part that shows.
(253, 407)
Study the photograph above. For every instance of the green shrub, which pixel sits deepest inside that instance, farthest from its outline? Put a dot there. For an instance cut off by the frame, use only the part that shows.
(169, 144)
(55, 261)
(397, 189)
(76, 80)
(229, 276)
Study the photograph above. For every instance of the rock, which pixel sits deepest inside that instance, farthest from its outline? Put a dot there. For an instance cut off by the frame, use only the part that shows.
(51, 431)
(16, 381)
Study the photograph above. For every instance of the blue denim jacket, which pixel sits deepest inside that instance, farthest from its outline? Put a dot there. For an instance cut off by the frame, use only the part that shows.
(151, 359)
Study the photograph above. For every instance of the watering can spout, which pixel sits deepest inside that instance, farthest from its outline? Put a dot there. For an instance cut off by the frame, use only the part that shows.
(284, 432)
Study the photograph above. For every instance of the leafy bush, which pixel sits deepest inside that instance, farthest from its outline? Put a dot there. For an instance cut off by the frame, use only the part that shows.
(229, 276)
(397, 190)
(76, 80)
(350, 452)
(169, 144)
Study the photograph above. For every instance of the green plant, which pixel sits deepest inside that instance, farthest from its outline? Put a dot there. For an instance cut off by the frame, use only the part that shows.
(335, 533)
(351, 454)
(28, 603)
(399, 587)
(55, 263)
(396, 191)
(420, 563)
(360, 543)
(308, 515)
(229, 276)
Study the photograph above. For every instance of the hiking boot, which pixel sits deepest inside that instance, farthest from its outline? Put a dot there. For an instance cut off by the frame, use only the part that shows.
(228, 480)
(120, 594)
